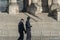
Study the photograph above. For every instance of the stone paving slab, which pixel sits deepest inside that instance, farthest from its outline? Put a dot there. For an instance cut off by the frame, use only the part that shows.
(33, 38)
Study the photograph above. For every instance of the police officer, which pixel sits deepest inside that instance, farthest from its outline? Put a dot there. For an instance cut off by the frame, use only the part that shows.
(28, 29)
(21, 29)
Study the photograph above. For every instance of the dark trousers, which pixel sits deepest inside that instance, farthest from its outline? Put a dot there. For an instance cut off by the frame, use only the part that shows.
(21, 36)
(28, 35)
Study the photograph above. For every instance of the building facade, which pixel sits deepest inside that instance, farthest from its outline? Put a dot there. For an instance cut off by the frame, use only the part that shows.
(38, 6)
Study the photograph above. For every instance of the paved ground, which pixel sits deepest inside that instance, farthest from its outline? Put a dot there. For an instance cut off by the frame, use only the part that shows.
(33, 38)
(44, 27)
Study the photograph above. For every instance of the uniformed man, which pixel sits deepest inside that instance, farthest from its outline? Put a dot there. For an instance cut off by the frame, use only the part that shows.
(21, 29)
(28, 29)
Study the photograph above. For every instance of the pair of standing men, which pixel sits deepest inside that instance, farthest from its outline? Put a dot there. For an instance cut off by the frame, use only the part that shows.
(27, 31)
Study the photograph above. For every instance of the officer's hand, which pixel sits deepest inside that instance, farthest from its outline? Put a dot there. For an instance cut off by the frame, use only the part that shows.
(25, 32)
(30, 26)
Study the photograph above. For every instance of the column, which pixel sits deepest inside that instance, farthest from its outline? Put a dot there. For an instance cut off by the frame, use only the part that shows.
(55, 8)
(35, 7)
(58, 10)
(39, 7)
(50, 5)
(49, 2)
(30, 2)
(58, 2)
(13, 7)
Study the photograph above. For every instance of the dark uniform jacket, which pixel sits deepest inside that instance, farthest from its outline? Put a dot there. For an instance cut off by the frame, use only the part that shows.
(21, 27)
(28, 26)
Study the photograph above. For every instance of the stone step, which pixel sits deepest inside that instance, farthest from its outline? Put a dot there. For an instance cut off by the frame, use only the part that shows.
(40, 17)
(33, 38)
(47, 26)
(38, 28)
(44, 17)
(12, 18)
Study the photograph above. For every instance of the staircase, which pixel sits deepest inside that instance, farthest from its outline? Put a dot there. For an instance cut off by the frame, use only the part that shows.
(43, 27)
